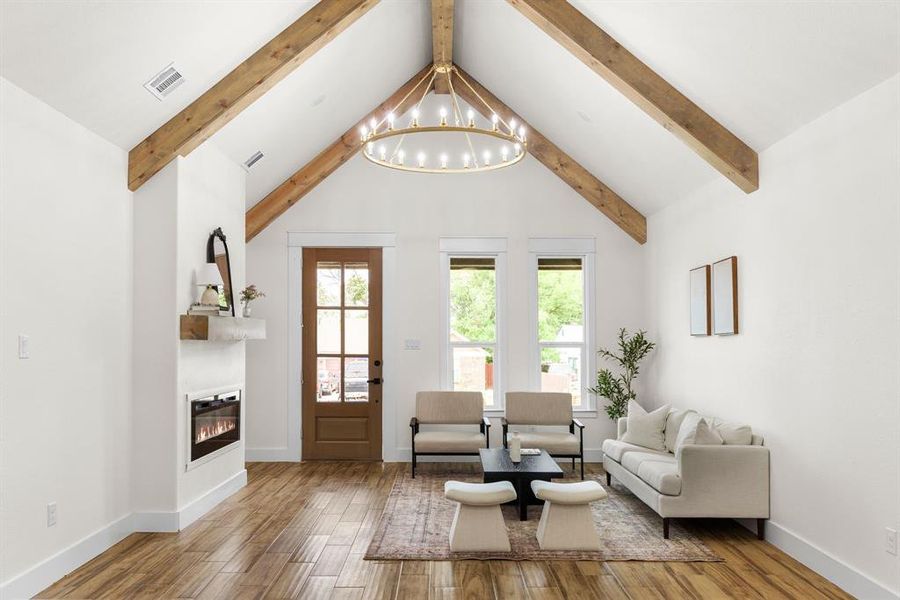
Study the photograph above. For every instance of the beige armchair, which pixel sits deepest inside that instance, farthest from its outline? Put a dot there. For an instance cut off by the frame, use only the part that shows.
(448, 408)
(545, 409)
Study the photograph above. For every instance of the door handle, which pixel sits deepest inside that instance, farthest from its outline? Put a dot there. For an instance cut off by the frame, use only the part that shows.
(376, 381)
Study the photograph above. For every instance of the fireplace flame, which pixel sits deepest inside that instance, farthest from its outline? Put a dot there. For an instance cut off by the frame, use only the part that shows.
(218, 427)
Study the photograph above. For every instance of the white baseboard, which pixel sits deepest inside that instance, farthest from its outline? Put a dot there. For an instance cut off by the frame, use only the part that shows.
(67, 560)
(205, 503)
(269, 455)
(45, 573)
(830, 567)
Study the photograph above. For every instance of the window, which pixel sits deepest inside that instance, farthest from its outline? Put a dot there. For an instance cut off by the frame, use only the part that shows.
(562, 325)
(473, 322)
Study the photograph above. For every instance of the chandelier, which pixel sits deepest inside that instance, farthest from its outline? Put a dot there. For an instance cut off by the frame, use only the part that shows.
(382, 142)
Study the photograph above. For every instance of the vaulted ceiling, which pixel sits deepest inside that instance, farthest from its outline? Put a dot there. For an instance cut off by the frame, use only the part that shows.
(761, 69)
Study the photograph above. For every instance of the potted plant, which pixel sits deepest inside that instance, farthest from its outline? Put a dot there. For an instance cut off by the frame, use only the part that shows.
(248, 295)
(617, 388)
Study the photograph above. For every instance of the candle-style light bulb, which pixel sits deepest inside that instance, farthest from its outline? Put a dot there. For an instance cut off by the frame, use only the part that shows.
(400, 156)
(518, 149)
(382, 152)
(443, 161)
(494, 120)
(390, 120)
(487, 158)
(443, 113)
(466, 159)
(364, 132)
(370, 148)
(471, 116)
(522, 133)
(504, 152)
(415, 118)
(373, 125)
(512, 127)
(421, 158)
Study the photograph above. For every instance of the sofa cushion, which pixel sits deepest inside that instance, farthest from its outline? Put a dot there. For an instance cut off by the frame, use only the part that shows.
(449, 441)
(695, 430)
(661, 476)
(646, 429)
(673, 425)
(737, 434)
(552, 442)
(632, 461)
(616, 449)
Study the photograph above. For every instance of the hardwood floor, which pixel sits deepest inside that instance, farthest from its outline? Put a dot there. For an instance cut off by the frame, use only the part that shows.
(300, 530)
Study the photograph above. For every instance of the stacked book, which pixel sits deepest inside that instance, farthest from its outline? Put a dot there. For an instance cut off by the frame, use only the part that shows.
(206, 310)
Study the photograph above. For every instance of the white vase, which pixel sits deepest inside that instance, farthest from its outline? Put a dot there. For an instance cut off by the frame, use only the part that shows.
(515, 448)
(246, 310)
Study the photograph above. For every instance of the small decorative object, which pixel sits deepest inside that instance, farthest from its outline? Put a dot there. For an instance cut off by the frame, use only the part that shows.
(617, 388)
(248, 295)
(515, 447)
(210, 278)
(700, 301)
(725, 298)
(531, 451)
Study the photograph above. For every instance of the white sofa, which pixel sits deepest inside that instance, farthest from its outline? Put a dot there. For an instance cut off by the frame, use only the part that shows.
(730, 480)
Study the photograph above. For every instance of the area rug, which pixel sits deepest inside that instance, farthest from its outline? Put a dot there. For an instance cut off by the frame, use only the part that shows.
(417, 518)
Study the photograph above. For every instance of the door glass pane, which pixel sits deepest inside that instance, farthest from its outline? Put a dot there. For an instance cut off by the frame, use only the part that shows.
(328, 384)
(328, 331)
(473, 299)
(356, 332)
(356, 375)
(561, 372)
(356, 284)
(560, 300)
(473, 371)
(328, 283)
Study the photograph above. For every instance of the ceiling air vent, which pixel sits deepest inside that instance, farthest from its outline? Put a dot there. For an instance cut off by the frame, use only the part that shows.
(253, 160)
(165, 82)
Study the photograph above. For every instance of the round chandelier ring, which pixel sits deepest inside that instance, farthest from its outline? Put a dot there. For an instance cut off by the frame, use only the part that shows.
(391, 161)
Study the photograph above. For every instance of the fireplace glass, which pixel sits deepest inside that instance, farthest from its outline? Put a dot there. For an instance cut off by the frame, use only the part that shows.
(215, 423)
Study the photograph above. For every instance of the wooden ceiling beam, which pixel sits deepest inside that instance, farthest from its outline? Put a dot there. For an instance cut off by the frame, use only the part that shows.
(442, 40)
(242, 86)
(564, 166)
(640, 84)
(326, 162)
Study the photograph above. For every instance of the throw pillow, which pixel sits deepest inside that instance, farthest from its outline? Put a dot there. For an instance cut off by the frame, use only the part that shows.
(733, 433)
(673, 426)
(646, 429)
(695, 430)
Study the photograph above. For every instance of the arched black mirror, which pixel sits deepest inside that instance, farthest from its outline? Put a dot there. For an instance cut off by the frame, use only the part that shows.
(217, 253)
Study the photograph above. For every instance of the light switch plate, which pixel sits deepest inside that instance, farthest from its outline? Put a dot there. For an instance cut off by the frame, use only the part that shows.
(51, 514)
(24, 346)
(890, 541)
(412, 344)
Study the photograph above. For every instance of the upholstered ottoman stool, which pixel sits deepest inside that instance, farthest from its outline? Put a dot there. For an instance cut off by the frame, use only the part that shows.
(478, 523)
(566, 521)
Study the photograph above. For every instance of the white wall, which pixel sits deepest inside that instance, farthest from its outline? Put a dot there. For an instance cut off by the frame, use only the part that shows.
(517, 203)
(65, 281)
(815, 367)
(174, 214)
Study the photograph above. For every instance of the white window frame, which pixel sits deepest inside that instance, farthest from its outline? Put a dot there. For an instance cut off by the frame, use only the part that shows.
(585, 249)
(451, 247)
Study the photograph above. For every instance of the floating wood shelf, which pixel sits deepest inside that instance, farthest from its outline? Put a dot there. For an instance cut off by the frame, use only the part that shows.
(221, 329)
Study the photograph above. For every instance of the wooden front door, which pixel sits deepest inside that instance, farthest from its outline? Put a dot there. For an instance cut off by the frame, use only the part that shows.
(341, 386)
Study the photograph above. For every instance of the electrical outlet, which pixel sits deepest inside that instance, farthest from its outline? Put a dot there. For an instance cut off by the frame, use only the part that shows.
(51, 514)
(890, 541)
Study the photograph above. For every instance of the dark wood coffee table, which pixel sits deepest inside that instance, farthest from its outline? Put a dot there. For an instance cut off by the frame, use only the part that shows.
(497, 466)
